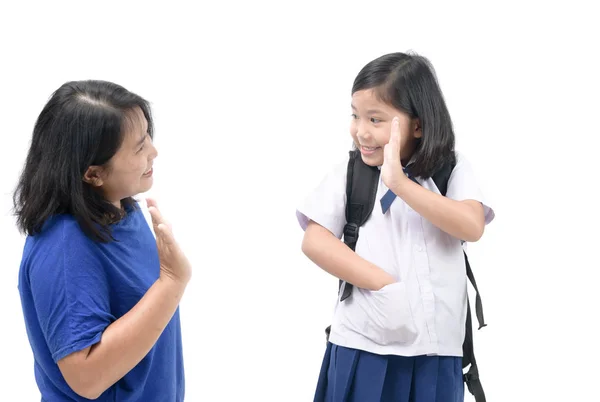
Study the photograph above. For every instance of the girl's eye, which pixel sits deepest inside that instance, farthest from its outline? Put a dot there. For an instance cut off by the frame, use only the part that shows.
(375, 121)
(354, 116)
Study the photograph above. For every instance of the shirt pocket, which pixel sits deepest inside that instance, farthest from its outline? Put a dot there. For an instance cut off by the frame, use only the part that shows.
(383, 316)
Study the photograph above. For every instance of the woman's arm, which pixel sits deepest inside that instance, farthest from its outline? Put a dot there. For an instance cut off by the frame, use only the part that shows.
(128, 340)
(124, 343)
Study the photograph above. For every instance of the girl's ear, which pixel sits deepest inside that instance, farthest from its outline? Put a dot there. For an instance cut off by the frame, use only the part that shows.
(418, 132)
(93, 176)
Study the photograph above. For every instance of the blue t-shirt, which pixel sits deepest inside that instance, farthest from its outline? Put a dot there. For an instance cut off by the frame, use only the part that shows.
(72, 288)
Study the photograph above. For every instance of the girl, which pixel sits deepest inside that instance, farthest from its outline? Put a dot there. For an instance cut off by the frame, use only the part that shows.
(399, 336)
(99, 293)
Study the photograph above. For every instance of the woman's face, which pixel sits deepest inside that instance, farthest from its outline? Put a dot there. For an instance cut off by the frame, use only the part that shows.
(129, 171)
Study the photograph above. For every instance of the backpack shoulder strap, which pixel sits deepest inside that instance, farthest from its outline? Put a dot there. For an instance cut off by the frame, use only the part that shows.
(362, 181)
(442, 176)
(361, 189)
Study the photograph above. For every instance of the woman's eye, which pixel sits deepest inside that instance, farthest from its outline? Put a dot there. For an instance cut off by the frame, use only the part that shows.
(354, 116)
(144, 143)
(375, 121)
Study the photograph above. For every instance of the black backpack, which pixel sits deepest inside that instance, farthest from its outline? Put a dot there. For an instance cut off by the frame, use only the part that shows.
(361, 191)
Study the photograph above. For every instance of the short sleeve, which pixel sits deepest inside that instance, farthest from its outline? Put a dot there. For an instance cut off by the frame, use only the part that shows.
(70, 292)
(463, 185)
(326, 204)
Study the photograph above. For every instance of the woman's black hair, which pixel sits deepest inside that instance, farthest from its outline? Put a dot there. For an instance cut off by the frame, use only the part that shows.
(82, 125)
(408, 83)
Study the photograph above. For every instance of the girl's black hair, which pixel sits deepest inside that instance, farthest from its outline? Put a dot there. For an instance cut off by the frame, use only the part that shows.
(82, 125)
(408, 83)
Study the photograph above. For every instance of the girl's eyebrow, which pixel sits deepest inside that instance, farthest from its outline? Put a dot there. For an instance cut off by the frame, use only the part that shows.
(370, 111)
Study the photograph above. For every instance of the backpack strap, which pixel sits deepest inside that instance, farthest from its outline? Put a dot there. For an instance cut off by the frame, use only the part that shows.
(362, 181)
(478, 304)
(471, 377)
(441, 178)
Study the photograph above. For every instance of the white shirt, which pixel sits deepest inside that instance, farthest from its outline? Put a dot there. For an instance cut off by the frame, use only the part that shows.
(425, 311)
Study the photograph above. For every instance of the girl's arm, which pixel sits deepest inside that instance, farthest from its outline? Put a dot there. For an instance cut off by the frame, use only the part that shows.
(334, 257)
(464, 220)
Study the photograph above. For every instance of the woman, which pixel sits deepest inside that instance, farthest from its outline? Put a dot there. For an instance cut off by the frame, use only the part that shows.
(99, 293)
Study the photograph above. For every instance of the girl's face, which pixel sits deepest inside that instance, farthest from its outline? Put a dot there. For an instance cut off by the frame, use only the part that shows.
(371, 128)
(129, 171)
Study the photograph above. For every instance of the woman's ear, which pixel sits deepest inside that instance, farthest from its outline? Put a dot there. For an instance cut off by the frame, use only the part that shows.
(93, 176)
(418, 132)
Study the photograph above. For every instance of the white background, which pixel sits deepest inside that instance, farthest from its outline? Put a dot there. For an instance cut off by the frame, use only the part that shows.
(252, 109)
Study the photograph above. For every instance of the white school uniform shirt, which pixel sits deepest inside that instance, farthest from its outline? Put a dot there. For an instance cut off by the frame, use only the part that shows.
(424, 313)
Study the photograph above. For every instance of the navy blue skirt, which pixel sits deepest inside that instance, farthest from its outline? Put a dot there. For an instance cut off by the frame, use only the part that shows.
(350, 375)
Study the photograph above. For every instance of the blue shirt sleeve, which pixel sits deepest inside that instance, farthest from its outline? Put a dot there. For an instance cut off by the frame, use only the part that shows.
(71, 293)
